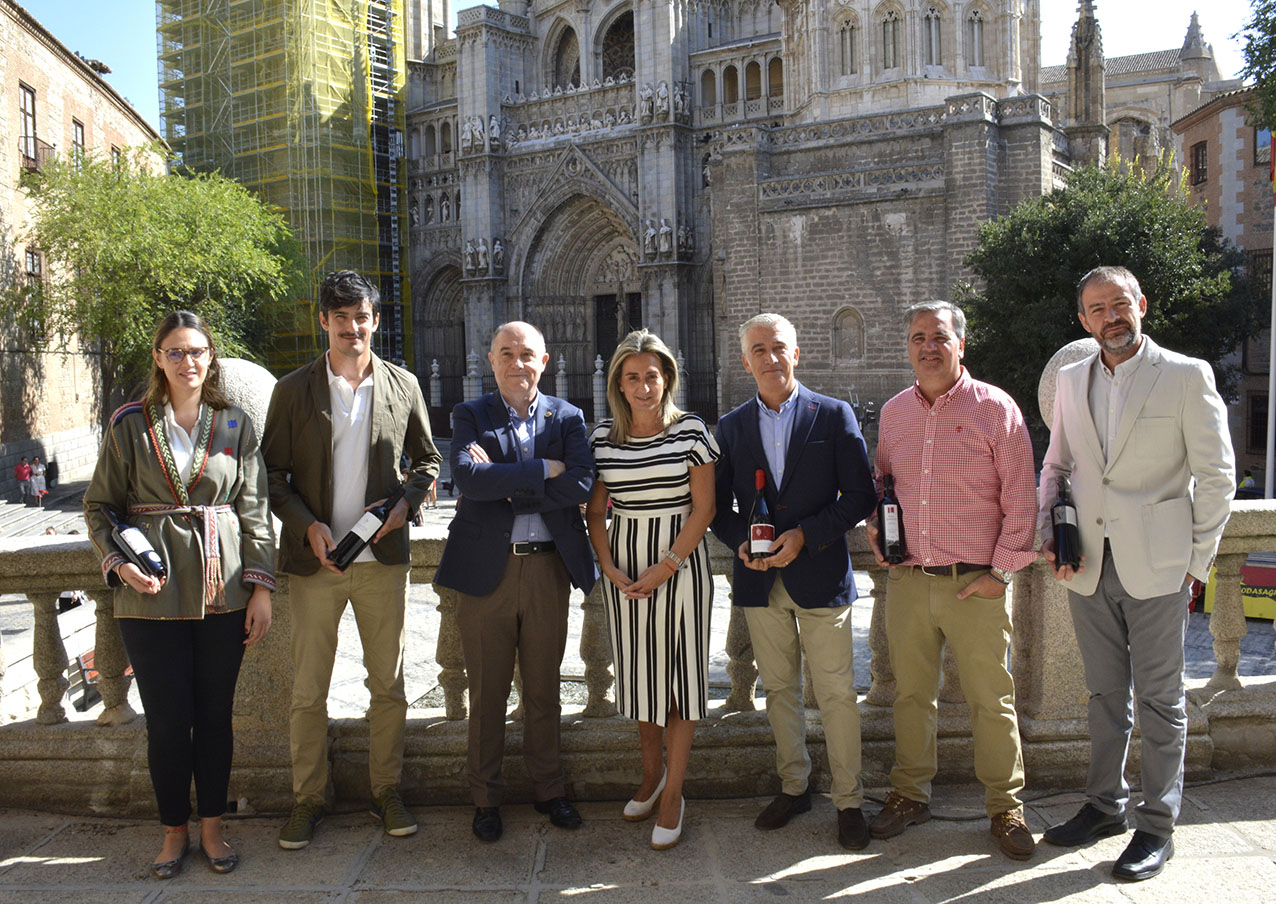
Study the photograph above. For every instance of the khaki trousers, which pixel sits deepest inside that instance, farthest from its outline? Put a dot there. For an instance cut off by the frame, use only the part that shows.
(921, 613)
(377, 593)
(525, 615)
(781, 631)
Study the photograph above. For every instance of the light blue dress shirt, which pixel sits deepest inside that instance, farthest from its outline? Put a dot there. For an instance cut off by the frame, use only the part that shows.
(776, 428)
(527, 528)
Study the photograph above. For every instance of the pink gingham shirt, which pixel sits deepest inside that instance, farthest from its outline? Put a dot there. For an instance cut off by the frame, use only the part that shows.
(963, 474)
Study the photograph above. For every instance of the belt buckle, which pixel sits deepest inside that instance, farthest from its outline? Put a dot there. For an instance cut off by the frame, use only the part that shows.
(515, 548)
(949, 571)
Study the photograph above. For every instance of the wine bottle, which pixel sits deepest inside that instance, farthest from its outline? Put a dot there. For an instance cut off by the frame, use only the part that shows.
(890, 523)
(1067, 537)
(135, 547)
(761, 527)
(363, 531)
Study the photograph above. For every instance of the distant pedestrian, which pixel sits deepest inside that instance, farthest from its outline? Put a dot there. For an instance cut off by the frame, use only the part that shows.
(22, 474)
(51, 473)
(1247, 482)
(38, 488)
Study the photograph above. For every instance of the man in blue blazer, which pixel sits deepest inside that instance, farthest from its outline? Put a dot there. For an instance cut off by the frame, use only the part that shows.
(521, 460)
(818, 487)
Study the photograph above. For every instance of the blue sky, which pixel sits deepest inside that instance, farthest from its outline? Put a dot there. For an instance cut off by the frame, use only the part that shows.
(121, 33)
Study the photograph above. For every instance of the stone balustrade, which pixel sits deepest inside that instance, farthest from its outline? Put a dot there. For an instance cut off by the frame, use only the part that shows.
(85, 767)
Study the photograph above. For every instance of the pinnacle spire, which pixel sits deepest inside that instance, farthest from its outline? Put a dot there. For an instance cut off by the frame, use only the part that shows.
(1194, 46)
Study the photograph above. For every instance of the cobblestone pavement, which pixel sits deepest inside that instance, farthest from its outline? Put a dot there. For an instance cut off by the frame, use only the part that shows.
(1225, 851)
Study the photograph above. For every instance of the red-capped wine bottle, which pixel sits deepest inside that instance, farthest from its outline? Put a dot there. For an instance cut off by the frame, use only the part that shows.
(1067, 536)
(890, 523)
(363, 531)
(761, 525)
(135, 547)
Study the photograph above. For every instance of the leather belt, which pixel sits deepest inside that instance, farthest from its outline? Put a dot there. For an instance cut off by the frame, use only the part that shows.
(950, 571)
(531, 549)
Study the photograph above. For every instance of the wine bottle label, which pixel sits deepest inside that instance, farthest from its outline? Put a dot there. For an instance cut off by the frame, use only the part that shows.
(1063, 514)
(761, 538)
(890, 523)
(366, 526)
(136, 540)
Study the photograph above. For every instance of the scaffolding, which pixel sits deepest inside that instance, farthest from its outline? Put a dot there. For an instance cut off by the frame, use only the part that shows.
(303, 102)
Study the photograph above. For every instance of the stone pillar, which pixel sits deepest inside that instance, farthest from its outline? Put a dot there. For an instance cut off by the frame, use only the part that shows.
(449, 655)
(473, 380)
(560, 378)
(595, 651)
(881, 691)
(740, 666)
(111, 662)
(600, 389)
(48, 655)
(1227, 622)
(436, 386)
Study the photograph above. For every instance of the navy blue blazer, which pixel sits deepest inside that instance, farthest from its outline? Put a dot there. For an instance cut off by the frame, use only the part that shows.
(827, 490)
(492, 494)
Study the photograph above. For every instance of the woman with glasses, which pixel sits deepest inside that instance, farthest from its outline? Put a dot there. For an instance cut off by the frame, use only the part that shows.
(183, 466)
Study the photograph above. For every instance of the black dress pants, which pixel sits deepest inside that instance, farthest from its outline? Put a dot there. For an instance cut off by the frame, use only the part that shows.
(186, 672)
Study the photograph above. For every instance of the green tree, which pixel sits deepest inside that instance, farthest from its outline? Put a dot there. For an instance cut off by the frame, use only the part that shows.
(124, 246)
(1201, 299)
(1259, 35)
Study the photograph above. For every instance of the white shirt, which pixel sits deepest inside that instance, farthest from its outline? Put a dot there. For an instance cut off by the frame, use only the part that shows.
(181, 442)
(1109, 391)
(351, 440)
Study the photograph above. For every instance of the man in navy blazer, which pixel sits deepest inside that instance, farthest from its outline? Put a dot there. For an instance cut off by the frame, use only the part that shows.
(818, 487)
(521, 460)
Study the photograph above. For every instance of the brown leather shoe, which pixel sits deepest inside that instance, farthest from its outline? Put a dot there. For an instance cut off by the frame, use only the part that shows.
(1012, 834)
(898, 814)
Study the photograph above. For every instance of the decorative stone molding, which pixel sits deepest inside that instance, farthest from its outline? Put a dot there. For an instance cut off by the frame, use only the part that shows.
(830, 187)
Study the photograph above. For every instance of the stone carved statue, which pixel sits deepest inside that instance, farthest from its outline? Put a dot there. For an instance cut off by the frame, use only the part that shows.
(414, 215)
(645, 101)
(478, 132)
(666, 237)
(649, 240)
(686, 240)
(467, 136)
(662, 99)
(429, 210)
(445, 209)
(498, 256)
(471, 257)
(680, 100)
(494, 134)
(483, 260)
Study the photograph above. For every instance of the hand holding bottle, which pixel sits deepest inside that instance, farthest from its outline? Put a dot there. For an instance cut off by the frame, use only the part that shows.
(132, 575)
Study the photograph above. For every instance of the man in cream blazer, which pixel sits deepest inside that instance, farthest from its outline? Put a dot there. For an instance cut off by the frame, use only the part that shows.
(1141, 433)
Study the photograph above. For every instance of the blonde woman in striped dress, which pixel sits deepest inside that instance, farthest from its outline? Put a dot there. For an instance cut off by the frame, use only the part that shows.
(655, 464)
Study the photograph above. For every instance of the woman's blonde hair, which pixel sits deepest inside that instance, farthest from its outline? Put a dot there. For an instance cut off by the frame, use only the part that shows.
(157, 384)
(640, 342)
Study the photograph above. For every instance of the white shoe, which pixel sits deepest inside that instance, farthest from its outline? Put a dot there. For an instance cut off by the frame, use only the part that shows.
(638, 810)
(661, 838)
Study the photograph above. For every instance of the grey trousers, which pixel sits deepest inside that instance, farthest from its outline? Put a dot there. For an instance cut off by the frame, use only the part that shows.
(1126, 645)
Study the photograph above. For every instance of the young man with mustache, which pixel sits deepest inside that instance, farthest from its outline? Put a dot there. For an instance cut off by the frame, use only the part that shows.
(335, 433)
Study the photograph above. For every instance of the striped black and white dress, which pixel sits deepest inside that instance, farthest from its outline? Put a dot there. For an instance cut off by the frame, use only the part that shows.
(660, 645)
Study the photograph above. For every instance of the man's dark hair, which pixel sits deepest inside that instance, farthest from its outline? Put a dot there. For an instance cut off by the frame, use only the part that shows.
(347, 289)
(1115, 276)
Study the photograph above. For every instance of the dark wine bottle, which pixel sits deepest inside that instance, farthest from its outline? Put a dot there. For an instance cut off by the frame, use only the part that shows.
(1067, 538)
(890, 524)
(363, 531)
(132, 543)
(761, 527)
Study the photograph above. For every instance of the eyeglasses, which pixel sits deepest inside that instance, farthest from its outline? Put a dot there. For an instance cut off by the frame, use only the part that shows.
(177, 355)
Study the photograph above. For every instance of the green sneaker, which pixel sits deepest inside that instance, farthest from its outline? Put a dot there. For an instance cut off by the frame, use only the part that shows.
(388, 807)
(300, 827)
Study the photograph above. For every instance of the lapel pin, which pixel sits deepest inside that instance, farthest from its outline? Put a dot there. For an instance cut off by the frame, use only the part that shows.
(228, 451)
(232, 423)
(549, 413)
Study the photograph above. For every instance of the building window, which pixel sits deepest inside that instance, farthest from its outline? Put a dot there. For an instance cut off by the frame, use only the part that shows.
(708, 89)
(1262, 147)
(930, 37)
(890, 40)
(775, 77)
(1200, 162)
(77, 143)
(752, 81)
(730, 85)
(35, 283)
(848, 336)
(1257, 423)
(26, 121)
(975, 39)
(618, 48)
(117, 157)
(847, 37)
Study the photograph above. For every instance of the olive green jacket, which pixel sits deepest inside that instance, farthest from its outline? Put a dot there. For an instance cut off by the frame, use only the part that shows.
(227, 470)
(297, 446)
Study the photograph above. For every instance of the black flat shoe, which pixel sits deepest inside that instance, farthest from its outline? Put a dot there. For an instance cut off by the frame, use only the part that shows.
(225, 864)
(779, 811)
(170, 868)
(487, 824)
(1088, 825)
(561, 812)
(1144, 857)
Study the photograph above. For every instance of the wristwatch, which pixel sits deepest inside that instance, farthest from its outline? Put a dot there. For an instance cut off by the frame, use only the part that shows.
(1000, 574)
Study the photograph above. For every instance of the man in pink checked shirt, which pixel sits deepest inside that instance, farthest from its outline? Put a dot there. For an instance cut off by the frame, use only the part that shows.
(962, 461)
